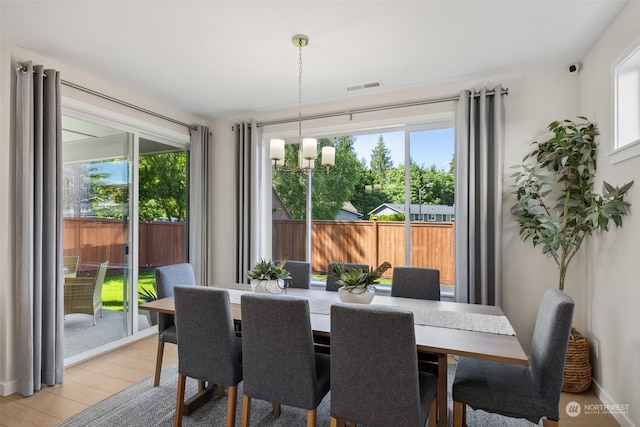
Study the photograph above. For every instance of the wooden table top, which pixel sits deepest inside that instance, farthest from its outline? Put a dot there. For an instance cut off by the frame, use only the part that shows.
(432, 339)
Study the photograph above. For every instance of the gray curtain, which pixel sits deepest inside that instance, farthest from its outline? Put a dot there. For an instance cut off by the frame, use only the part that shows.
(199, 206)
(253, 198)
(242, 134)
(38, 229)
(478, 200)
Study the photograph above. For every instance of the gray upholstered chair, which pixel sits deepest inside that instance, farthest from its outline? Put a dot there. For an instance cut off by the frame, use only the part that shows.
(370, 384)
(416, 282)
(332, 277)
(167, 277)
(278, 359)
(300, 272)
(208, 348)
(419, 283)
(531, 392)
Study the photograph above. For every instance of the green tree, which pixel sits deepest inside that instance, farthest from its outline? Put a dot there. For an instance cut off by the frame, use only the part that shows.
(163, 183)
(329, 190)
(381, 162)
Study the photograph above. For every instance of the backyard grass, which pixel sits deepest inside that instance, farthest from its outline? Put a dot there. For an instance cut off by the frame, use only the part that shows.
(112, 289)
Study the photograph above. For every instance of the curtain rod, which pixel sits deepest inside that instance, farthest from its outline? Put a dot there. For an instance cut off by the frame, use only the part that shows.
(24, 69)
(373, 109)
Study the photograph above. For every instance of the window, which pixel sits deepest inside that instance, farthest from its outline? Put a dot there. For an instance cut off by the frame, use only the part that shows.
(370, 208)
(627, 107)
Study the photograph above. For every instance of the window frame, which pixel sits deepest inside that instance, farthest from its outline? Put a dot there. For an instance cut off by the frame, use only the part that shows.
(623, 151)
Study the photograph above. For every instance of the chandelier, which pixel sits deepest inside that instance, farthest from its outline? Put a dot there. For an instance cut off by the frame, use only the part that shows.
(308, 147)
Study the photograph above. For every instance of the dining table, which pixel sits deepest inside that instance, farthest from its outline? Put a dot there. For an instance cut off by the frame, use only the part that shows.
(442, 328)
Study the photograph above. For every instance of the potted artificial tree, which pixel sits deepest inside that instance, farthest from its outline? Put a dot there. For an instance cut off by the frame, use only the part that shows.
(267, 277)
(357, 285)
(556, 208)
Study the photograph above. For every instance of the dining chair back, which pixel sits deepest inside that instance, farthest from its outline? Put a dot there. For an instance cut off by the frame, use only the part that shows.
(300, 272)
(530, 392)
(70, 265)
(416, 282)
(365, 373)
(167, 277)
(332, 277)
(208, 348)
(278, 358)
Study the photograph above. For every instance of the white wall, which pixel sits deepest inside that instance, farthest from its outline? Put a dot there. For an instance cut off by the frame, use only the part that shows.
(9, 56)
(612, 282)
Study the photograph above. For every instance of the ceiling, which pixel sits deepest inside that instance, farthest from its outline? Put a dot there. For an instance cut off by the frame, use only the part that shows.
(235, 58)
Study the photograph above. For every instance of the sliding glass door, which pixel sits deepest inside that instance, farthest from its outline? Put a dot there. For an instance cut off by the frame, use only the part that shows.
(125, 210)
(96, 232)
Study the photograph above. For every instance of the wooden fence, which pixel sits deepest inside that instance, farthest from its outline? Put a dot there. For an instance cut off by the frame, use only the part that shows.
(367, 242)
(98, 240)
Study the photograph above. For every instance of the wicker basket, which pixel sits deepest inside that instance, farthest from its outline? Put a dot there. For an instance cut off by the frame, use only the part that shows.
(577, 368)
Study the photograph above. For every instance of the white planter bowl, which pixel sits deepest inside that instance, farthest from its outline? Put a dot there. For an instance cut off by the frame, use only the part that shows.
(267, 286)
(357, 295)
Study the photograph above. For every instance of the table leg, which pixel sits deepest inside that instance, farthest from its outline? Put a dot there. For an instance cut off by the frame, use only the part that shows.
(442, 390)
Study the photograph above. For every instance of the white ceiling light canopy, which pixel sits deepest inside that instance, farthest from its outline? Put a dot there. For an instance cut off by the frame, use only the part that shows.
(308, 147)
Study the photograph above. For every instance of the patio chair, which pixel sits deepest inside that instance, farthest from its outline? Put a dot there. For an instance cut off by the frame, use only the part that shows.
(70, 265)
(84, 294)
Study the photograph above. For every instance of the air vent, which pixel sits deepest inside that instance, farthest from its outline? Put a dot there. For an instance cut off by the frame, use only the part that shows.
(364, 86)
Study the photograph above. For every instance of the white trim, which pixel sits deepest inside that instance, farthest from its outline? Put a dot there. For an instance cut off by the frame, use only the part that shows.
(606, 399)
(629, 150)
(625, 152)
(91, 112)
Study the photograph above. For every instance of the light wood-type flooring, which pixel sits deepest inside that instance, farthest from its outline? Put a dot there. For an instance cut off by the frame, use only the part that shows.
(89, 382)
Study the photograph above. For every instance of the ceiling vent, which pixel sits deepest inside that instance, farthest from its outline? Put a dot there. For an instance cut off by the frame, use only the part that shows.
(364, 86)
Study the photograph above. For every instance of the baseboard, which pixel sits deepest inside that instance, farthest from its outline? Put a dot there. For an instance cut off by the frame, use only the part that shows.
(621, 417)
(9, 388)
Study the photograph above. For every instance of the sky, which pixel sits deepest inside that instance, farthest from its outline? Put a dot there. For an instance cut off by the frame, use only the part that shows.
(428, 147)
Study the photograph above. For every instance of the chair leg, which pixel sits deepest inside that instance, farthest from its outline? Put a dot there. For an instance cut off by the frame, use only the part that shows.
(276, 410)
(433, 413)
(156, 378)
(231, 405)
(550, 423)
(246, 411)
(459, 409)
(311, 417)
(221, 391)
(177, 419)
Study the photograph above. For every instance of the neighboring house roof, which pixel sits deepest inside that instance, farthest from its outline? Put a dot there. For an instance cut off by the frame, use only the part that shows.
(280, 211)
(414, 208)
(348, 212)
(347, 206)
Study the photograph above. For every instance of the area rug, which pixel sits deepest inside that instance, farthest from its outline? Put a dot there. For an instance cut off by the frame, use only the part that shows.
(143, 405)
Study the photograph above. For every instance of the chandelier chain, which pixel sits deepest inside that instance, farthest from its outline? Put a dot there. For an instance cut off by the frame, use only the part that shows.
(300, 94)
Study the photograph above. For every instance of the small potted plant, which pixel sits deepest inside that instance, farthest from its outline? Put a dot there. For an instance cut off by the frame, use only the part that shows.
(268, 277)
(357, 285)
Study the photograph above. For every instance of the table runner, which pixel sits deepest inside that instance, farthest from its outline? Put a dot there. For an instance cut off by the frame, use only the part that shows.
(439, 318)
